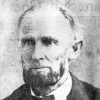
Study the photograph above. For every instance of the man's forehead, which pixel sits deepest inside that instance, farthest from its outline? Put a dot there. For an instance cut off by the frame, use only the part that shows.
(45, 12)
(48, 21)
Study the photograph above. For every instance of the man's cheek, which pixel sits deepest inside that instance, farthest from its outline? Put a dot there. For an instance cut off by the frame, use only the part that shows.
(26, 56)
(57, 66)
(26, 61)
(55, 52)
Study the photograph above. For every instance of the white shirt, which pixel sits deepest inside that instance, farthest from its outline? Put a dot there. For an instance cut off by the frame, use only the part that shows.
(62, 92)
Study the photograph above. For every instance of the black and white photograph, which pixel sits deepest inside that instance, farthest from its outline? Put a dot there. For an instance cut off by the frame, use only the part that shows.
(49, 50)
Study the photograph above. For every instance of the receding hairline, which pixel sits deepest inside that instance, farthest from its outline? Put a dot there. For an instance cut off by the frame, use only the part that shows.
(33, 10)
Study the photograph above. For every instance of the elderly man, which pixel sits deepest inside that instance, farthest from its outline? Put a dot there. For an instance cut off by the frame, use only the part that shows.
(50, 37)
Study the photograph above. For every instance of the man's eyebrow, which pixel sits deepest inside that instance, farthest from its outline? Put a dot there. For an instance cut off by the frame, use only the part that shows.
(27, 38)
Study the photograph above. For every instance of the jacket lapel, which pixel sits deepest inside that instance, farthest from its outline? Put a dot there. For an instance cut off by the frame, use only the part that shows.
(78, 91)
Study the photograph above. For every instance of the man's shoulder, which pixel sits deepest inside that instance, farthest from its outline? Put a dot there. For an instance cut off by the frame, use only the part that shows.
(83, 90)
(80, 91)
(19, 93)
(92, 91)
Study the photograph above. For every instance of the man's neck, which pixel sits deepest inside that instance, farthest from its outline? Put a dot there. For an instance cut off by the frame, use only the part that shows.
(62, 90)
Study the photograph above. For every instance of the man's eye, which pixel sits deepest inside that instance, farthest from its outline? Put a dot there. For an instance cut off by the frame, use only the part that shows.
(49, 41)
(29, 42)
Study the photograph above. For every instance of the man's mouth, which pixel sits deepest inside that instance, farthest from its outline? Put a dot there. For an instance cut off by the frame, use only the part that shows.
(39, 66)
(42, 70)
(46, 67)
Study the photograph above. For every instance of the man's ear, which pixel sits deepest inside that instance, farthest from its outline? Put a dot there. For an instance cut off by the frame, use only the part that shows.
(74, 51)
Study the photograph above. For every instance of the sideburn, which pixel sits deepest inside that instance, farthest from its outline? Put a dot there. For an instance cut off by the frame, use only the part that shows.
(61, 69)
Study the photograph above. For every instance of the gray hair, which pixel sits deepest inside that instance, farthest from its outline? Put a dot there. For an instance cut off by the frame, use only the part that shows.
(78, 29)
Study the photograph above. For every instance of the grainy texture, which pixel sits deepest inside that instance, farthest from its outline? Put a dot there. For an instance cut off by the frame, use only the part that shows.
(86, 67)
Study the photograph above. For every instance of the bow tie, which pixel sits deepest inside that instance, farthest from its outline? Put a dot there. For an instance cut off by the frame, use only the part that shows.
(50, 97)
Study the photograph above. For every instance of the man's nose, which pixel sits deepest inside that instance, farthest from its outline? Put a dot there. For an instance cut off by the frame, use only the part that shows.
(38, 53)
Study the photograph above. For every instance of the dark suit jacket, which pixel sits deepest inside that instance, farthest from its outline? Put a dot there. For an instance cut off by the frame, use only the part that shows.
(80, 91)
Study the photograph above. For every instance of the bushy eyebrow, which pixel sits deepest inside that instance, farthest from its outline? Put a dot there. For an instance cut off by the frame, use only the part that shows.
(27, 37)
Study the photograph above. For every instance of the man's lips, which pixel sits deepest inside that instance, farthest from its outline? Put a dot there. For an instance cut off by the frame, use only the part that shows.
(41, 68)
(41, 71)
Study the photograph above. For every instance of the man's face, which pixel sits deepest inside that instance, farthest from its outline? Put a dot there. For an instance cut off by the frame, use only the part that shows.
(46, 37)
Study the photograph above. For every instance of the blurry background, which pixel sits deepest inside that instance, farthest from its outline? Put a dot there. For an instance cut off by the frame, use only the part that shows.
(86, 67)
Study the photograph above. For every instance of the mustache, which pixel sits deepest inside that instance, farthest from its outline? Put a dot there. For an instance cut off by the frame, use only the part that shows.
(36, 64)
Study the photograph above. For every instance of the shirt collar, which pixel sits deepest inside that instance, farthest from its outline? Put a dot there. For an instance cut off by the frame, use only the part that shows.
(61, 92)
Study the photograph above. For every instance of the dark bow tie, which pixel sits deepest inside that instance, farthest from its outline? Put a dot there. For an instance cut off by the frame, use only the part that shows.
(50, 97)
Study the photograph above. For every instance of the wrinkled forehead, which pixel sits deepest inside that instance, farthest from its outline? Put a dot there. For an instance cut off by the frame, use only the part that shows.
(47, 13)
(47, 20)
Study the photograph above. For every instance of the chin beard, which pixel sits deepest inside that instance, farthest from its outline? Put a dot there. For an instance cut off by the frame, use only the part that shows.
(41, 79)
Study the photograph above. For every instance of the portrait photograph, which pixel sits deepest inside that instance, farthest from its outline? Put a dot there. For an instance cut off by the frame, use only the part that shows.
(49, 50)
